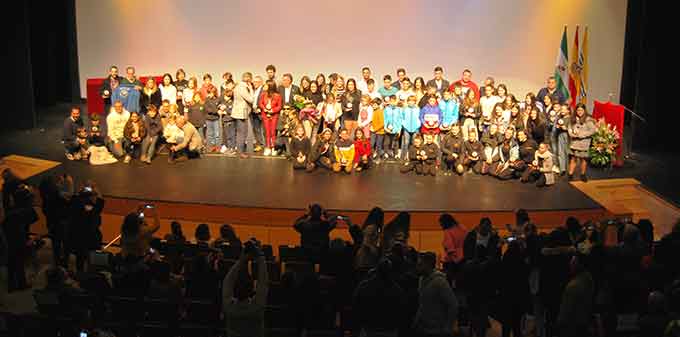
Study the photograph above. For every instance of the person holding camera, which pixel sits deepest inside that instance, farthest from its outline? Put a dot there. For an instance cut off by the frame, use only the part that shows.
(136, 231)
(243, 303)
(83, 234)
(314, 228)
(56, 192)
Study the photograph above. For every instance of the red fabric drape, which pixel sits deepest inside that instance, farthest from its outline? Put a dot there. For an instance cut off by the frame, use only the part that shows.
(612, 114)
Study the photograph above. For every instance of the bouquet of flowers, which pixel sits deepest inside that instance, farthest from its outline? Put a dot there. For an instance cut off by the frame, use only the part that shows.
(604, 143)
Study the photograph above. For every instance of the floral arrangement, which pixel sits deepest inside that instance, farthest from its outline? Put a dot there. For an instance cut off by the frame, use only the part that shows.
(604, 143)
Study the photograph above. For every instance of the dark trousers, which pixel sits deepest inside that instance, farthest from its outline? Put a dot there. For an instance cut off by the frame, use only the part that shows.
(241, 134)
(16, 272)
(132, 149)
(533, 175)
(389, 144)
(256, 125)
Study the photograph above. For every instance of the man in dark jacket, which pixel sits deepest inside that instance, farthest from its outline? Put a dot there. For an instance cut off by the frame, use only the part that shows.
(576, 308)
(69, 136)
(83, 234)
(438, 306)
(16, 226)
(379, 303)
(314, 228)
(107, 88)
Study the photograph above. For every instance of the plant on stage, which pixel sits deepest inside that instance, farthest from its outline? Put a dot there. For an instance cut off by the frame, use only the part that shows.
(603, 146)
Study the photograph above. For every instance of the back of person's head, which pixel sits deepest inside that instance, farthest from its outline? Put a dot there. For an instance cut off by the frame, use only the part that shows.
(447, 221)
(131, 224)
(646, 230)
(656, 303)
(513, 251)
(22, 196)
(522, 216)
(427, 261)
(244, 288)
(202, 232)
(485, 226)
(176, 229)
(384, 269)
(631, 234)
(376, 216)
(572, 224)
(227, 233)
(315, 211)
(55, 277)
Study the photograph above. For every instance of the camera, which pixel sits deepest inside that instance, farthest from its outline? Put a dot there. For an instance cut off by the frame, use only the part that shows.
(511, 238)
(250, 247)
(87, 189)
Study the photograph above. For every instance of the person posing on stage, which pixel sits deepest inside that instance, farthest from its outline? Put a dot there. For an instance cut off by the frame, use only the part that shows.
(329, 110)
(581, 131)
(134, 133)
(490, 139)
(393, 124)
(154, 129)
(213, 127)
(430, 155)
(350, 105)
(150, 94)
(243, 105)
(472, 111)
(508, 152)
(527, 149)
(449, 108)
(415, 153)
(377, 128)
(365, 117)
(323, 152)
(344, 152)
(69, 135)
(541, 168)
(106, 90)
(562, 126)
(452, 147)
(362, 151)
(191, 143)
(300, 148)
(270, 104)
(474, 152)
(410, 121)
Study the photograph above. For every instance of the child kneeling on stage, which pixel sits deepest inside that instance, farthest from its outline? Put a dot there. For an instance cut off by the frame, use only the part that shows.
(322, 153)
(344, 152)
(541, 169)
(362, 151)
(453, 150)
(422, 157)
(474, 152)
(300, 146)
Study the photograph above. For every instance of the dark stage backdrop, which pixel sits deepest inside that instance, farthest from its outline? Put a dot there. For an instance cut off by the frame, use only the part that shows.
(43, 67)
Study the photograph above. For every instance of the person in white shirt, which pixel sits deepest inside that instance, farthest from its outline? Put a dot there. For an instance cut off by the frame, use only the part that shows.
(188, 92)
(255, 116)
(371, 91)
(405, 92)
(488, 101)
(115, 122)
(168, 90)
(362, 84)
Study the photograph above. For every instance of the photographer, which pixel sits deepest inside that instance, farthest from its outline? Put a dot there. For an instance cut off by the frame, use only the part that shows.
(314, 228)
(83, 234)
(56, 192)
(244, 304)
(16, 225)
(136, 232)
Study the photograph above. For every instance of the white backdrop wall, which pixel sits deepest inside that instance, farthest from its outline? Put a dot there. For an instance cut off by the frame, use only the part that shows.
(514, 41)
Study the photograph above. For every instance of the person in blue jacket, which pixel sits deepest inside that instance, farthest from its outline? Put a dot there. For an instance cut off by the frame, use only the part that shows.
(430, 117)
(411, 123)
(449, 107)
(393, 125)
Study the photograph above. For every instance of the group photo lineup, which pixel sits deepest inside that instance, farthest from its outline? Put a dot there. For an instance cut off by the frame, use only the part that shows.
(301, 168)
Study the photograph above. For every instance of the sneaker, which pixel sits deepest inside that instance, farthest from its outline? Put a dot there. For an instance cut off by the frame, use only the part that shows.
(69, 156)
(398, 156)
(386, 156)
(223, 149)
(584, 178)
(375, 155)
(267, 151)
(142, 158)
(127, 159)
(231, 152)
(274, 153)
(258, 148)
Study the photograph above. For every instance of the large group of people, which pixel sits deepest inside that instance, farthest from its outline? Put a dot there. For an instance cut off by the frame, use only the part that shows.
(580, 279)
(342, 124)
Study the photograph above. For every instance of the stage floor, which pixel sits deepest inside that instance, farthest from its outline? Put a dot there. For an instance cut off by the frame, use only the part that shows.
(272, 183)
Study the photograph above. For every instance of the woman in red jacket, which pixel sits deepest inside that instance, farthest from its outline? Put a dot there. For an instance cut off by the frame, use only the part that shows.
(270, 105)
(362, 151)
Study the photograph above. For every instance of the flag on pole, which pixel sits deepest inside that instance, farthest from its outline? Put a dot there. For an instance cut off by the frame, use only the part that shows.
(561, 72)
(583, 62)
(574, 72)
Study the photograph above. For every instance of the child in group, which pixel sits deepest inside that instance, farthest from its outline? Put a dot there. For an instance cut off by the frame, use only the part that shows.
(498, 118)
(362, 151)
(430, 117)
(415, 155)
(309, 117)
(449, 108)
(405, 92)
(225, 105)
(387, 89)
(561, 127)
(227, 83)
(474, 152)
(371, 91)
(541, 169)
(490, 139)
(194, 112)
(516, 121)
(289, 123)
(393, 124)
(365, 117)
(527, 149)
(329, 110)
(430, 156)
(581, 130)
(471, 113)
(300, 147)
(344, 152)
(322, 153)
(487, 103)
(377, 128)
(458, 93)
(171, 132)
(83, 145)
(452, 146)
(508, 152)
(97, 131)
(212, 121)
(189, 91)
(133, 133)
(207, 86)
(411, 122)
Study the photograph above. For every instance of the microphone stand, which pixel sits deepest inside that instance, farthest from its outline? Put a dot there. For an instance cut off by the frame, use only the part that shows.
(630, 155)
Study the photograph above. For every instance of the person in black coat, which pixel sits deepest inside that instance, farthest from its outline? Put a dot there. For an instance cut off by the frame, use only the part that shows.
(70, 132)
(513, 288)
(379, 302)
(16, 226)
(83, 234)
(107, 88)
(314, 228)
(55, 192)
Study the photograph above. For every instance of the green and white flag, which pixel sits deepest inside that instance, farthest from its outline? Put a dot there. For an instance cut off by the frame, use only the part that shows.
(561, 66)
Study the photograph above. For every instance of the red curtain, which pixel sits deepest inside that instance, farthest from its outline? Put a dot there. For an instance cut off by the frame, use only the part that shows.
(612, 114)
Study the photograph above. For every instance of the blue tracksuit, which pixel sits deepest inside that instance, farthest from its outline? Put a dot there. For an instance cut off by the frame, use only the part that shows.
(449, 112)
(128, 95)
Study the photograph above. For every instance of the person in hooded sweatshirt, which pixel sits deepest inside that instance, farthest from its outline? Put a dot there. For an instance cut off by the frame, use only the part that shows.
(541, 168)
(344, 153)
(452, 146)
(449, 108)
(322, 153)
(154, 129)
(410, 118)
(437, 306)
(300, 147)
(392, 116)
(430, 117)
(474, 153)
(490, 139)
